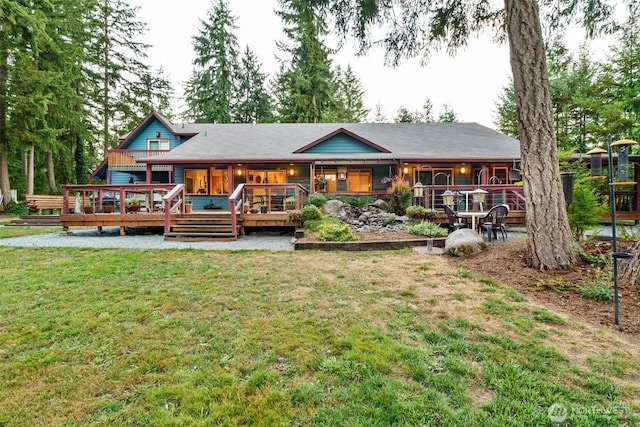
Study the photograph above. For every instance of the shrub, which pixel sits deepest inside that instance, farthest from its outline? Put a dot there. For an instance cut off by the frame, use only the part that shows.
(310, 212)
(360, 202)
(316, 199)
(597, 288)
(399, 195)
(390, 220)
(317, 224)
(426, 228)
(294, 215)
(430, 214)
(335, 233)
(14, 208)
(415, 211)
(585, 210)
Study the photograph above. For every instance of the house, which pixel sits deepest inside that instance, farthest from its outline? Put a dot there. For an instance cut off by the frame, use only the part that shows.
(352, 159)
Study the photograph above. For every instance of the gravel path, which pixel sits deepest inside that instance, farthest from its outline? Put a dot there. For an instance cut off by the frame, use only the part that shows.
(110, 238)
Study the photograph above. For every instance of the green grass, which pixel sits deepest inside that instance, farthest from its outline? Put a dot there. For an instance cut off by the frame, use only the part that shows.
(6, 232)
(151, 337)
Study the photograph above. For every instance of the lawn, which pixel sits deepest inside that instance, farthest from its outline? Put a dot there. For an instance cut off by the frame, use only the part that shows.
(188, 337)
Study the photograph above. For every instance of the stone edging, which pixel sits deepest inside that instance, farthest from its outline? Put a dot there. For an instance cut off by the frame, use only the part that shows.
(370, 245)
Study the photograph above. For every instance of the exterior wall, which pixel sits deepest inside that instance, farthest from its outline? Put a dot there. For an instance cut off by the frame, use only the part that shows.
(341, 144)
(139, 142)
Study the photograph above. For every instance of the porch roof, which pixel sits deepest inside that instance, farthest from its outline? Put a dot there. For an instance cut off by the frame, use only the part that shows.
(397, 141)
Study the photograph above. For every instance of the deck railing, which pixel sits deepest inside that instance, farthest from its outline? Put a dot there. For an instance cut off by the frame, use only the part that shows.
(127, 159)
(265, 198)
(511, 195)
(110, 198)
(173, 202)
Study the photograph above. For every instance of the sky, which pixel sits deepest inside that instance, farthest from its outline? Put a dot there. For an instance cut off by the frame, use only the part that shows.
(469, 83)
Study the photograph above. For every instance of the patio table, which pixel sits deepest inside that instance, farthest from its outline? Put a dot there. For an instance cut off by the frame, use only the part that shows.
(473, 215)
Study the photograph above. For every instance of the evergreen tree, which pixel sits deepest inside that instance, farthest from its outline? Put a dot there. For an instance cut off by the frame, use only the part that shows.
(403, 115)
(254, 101)
(379, 116)
(349, 97)
(620, 85)
(506, 120)
(210, 93)
(447, 115)
(304, 87)
(426, 115)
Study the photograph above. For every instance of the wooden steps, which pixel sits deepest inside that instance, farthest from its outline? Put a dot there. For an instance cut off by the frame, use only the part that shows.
(37, 221)
(202, 226)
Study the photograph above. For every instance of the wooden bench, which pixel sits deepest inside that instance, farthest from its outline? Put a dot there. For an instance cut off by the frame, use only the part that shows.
(38, 202)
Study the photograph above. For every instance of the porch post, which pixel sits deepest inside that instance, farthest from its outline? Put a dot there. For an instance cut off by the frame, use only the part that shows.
(149, 174)
(232, 203)
(312, 178)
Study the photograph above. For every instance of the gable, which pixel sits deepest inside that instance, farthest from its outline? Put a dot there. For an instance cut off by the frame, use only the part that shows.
(342, 141)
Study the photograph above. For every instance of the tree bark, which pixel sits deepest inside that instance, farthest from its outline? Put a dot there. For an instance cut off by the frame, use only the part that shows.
(549, 240)
(30, 169)
(5, 186)
(51, 173)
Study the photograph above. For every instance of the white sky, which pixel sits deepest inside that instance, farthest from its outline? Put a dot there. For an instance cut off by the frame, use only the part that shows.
(469, 82)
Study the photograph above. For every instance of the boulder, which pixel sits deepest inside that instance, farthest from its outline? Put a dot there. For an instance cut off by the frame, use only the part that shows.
(464, 242)
(332, 207)
(380, 204)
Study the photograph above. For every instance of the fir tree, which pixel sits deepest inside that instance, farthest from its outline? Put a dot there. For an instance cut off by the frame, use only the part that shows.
(254, 101)
(210, 93)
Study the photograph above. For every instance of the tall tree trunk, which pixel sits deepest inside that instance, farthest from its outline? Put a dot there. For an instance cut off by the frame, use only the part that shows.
(549, 240)
(31, 169)
(51, 172)
(5, 186)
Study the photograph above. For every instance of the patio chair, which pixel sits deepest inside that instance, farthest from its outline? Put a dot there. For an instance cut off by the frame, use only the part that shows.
(493, 222)
(455, 222)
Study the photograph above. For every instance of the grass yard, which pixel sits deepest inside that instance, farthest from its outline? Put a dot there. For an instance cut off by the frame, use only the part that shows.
(187, 337)
(6, 232)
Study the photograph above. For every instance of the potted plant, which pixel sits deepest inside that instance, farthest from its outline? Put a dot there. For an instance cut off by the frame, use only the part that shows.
(188, 204)
(290, 202)
(132, 204)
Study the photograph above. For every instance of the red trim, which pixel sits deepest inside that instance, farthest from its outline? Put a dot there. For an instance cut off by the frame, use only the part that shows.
(346, 132)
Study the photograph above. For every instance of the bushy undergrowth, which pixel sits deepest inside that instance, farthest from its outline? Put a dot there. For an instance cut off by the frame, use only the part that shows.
(426, 228)
(310, 212)
(597, 288)
(332, 232)
(356, 202)
(316, 199)
(14, 208)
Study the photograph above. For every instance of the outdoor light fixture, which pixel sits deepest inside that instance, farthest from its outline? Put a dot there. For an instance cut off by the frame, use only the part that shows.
(418, 190)
(447, 198)
(479, 196)
(342, 173)
(158, 134)
(405, 170)
(463, 169)
(292, 171)
(239, 171)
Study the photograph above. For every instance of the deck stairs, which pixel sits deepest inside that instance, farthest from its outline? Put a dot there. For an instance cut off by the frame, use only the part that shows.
(202, 226)
(37, 221)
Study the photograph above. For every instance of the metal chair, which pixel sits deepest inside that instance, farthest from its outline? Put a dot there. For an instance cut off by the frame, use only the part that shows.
(455, 222)
(493, 222)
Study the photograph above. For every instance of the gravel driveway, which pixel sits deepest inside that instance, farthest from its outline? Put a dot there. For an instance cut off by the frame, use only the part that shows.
(110, 238)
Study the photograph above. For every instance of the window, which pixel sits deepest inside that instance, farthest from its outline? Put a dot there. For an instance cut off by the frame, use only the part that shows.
(195, 181)
(499, 175)
(359, 180)
(158, 144)
(219, 182)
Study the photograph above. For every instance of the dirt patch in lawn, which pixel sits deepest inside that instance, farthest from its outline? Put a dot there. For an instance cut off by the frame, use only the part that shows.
(558, 290)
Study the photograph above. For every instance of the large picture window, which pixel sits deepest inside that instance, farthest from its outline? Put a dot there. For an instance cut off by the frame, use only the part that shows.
(219, 181)
(358, 180)
(158, 144)
(195, 181)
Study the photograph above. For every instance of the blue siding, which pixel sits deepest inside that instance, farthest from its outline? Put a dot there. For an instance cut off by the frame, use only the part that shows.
(342, 144)
(148, 131)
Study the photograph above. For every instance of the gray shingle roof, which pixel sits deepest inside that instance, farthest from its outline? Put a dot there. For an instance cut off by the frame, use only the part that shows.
(278, 142)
